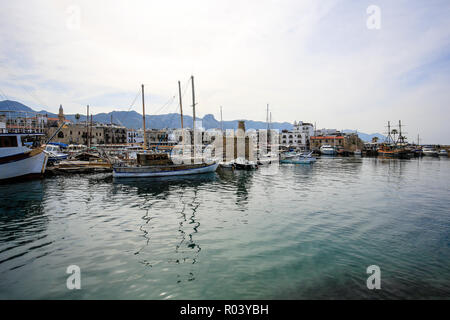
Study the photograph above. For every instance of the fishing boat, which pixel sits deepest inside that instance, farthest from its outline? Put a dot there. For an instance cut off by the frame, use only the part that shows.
(302, 159)
(326, 149)
(54, 153)
(17, 160)
(430, 151)
(289, 155)
(159, 164)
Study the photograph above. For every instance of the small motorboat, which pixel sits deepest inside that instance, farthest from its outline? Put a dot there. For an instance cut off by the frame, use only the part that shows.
(54, 153)
(430, 151)
(244, 164)
(302, 159)
(327, 150)
(226, 164)
(357, 152)
(443, 152)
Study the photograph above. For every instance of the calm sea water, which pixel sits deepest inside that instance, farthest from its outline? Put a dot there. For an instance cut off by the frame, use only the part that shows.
(281, 232)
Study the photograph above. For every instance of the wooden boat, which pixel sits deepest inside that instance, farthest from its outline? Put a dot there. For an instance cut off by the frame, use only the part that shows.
(159, 164)
(163, 171)
(393, 151)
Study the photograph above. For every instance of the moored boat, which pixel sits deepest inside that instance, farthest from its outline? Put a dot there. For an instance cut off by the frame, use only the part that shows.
(244, 164)
(17, 161)
(302, 159)
(159, 164)
(394, 151)
(54, 153)
(430, 151)
(443, 152)
(327, 150)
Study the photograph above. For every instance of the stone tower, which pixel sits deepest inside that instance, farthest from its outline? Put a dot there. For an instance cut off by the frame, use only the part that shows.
(61, 115)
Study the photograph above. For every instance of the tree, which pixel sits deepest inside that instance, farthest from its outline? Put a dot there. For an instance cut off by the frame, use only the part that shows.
(394, 132)
(77, 117)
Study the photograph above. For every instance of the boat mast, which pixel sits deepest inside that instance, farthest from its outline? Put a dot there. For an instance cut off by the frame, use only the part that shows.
(389, 132)
(181, 114)
(181, 104)
(221, 119)
(87, 127)
(143, 119)
(193, 104)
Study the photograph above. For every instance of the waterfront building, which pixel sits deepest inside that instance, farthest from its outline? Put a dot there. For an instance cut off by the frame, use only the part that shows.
(135, 136)
(341, 141)
(97, 133)
(299, 137)
(22, 122)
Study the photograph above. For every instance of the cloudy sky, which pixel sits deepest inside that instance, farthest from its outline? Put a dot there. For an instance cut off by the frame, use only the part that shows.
(317, 61)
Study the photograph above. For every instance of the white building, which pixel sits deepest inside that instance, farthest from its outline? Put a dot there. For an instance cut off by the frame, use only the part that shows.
(327, 132)
(3, 124)
(299, 137)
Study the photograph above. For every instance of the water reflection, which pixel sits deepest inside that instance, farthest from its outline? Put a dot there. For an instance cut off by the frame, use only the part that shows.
(22, 221)
(181, 194)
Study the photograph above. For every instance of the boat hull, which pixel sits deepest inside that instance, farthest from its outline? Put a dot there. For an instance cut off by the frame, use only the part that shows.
(299, 161)
(328, 152)
(155, 171)
(21, 166)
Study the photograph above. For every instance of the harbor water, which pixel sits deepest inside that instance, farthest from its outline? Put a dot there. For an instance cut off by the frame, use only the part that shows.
(279, 232)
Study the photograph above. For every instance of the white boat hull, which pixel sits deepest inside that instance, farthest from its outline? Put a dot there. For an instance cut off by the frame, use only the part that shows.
(142, 173)
(32, 166)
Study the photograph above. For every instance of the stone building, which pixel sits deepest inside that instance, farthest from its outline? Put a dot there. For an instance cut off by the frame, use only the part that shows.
(98, 133)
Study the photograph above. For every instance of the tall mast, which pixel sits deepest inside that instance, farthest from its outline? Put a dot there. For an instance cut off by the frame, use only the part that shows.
(87, 127)
(389, 132)
(267, 117)
(400, 131)
(193, 104)
(143, 119)
(181, 104)
(90, 132)
(270, 120)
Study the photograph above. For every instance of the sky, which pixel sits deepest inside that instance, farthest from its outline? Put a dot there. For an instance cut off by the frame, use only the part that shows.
(339, 64)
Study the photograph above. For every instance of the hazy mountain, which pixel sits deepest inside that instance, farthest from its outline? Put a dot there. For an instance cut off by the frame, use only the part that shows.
(367, 137)
(132, 119)
(9, 105)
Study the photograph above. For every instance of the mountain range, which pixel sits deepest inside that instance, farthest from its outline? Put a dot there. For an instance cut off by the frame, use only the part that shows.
(132, 119)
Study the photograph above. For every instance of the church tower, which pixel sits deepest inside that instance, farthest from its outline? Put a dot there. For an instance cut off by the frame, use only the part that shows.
(61, 115)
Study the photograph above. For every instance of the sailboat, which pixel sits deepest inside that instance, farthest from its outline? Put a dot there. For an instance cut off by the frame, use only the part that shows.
(159, 164)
